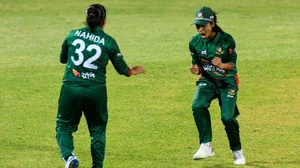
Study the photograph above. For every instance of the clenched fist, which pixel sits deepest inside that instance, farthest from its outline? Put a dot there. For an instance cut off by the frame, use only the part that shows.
(195, 69)
(216, 62)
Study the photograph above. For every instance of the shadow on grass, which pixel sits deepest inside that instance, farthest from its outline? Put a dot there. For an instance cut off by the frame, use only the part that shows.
(31, 146)
(219, 166)
(260, 164)
(257, 164)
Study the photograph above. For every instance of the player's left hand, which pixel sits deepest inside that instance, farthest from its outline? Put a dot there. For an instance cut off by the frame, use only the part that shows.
(137, 70)
(216, 62)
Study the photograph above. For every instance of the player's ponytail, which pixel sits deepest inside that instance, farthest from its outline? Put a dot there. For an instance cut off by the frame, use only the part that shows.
(95, 16)
(216, 28)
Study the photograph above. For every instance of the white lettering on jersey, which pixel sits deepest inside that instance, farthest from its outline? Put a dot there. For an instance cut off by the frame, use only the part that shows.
(90, 37)
(212, 68)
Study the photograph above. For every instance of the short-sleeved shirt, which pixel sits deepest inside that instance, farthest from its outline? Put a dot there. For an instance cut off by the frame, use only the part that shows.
(87, 54)
(204, 50)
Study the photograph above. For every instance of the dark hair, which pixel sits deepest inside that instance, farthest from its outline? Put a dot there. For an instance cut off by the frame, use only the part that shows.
(95, 16)
(216, 28)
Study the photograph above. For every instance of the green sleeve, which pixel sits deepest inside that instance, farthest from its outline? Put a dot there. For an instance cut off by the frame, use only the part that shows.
(64, 51)
(193, 53)
(231, 51)
(117, 60)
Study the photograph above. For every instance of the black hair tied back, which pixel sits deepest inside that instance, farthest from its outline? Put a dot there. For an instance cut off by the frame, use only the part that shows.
(95, 16)
(216, 28)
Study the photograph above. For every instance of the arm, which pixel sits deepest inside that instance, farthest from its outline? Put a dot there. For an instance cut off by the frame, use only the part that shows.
(64, 52)
(195, 67)
(228, 66)
(120, 65)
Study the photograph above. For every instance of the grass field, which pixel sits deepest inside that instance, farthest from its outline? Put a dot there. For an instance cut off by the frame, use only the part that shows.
(150, 119)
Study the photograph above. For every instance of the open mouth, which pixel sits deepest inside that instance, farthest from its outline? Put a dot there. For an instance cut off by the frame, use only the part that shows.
(202, 34)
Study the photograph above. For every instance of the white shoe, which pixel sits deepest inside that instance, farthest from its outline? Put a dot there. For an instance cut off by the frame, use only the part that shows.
(239, 158)
(204, 151)
(72, 162)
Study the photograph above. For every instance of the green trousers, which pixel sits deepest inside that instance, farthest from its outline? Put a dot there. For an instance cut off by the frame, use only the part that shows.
(226, 93)
(91, 100)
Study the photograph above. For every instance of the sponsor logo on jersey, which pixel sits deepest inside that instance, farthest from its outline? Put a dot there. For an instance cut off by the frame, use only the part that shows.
(76, 73)
(83, 75)
(212, 68)
(87, 75)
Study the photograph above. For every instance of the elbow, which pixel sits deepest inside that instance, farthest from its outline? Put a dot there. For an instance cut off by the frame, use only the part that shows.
(63, 61)
(230, 66)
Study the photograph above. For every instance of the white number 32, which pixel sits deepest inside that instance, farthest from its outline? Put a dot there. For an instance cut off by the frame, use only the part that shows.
(89, 62)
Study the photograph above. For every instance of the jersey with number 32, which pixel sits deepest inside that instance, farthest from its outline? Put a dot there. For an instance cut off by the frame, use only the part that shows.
(87, 54)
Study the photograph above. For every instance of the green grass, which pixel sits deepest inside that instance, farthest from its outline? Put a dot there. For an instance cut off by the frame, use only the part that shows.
(150, 119)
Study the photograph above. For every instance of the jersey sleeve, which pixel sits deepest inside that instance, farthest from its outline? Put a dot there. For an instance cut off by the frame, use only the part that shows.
(232, 51)
(193, 53)
(64, 49)
(117, 60)
(64, 52)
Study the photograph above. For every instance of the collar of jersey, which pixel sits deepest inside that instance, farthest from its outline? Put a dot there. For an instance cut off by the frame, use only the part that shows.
(215, 39)
(97, 29)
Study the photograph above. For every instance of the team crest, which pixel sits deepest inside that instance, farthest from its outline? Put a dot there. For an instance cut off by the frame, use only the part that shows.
(231, 92)
(200, 15)
(219, 50)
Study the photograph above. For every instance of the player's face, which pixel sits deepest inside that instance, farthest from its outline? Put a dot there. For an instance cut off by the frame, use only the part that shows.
(205, 31)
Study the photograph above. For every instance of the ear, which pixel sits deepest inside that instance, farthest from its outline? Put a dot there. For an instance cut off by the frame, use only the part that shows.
(213, 24)
(104, 23)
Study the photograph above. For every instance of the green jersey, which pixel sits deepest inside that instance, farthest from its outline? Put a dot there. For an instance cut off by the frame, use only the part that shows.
(203, 51)
(87, 54)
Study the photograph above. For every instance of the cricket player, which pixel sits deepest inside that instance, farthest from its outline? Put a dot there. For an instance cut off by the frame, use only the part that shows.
(86, 52)
(214, 58)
